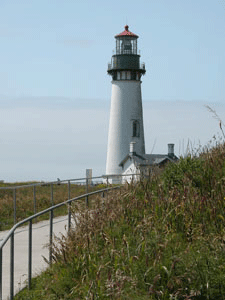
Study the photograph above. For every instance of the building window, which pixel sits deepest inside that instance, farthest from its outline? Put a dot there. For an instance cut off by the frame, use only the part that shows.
(135, 129)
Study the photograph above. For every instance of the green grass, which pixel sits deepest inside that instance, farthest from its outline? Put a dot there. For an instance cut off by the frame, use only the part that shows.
(25, 202)
(163, 238)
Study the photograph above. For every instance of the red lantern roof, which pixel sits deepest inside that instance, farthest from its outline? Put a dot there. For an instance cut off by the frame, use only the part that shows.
(126, 32)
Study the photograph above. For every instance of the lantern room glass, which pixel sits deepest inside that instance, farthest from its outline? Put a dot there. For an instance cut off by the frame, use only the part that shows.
(126, 45)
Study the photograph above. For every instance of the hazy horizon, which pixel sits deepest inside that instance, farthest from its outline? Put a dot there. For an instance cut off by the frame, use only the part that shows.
(61, 138)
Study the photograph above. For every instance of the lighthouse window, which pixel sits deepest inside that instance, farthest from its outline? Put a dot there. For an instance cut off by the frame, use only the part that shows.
(135, 47)
(123, 75)
(117, 47)
(118, 75)
(133, 75)
(114, 76)
(128, 75)
(136, 129)
(126, 47)
(137, 76)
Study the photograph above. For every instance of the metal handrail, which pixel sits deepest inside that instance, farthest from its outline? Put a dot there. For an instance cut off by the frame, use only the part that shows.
(114, 66)
(46, 183)
(10, 236)
(49, 210)
(51, 183)
(34, 185)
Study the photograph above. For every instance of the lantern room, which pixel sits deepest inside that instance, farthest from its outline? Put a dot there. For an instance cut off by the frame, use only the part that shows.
(125, 63)
(126, 42)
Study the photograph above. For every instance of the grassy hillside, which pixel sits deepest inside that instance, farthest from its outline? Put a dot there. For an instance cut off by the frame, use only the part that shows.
(163, 238)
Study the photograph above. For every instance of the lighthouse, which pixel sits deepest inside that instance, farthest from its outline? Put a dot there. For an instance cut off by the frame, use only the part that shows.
(126, 114)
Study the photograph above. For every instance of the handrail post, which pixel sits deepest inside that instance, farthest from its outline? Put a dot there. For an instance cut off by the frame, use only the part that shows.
(69, 207)
(34, 195)
(30, 254)
(12, 267)
(10, 236)
(1, 274)
(52, 200)
(14, 205)
(107, 185)
(86, 199)
(50, 236)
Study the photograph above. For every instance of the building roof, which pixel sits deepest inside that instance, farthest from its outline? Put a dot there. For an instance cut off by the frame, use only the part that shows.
(148, 159)
(126, 32)
(129, 156)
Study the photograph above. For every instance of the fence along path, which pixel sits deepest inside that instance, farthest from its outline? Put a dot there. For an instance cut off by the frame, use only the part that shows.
(13, 245)
(49, 188)
(40, 238)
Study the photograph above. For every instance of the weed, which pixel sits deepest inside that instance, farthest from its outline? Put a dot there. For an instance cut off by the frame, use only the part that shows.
(162, 238)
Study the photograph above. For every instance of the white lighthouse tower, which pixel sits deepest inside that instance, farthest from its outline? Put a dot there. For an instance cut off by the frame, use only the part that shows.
(126, 116)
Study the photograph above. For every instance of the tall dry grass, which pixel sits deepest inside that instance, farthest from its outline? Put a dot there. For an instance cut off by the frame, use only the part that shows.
(163, 238)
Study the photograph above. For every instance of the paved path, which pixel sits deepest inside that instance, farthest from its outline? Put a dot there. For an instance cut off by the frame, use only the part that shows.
(40, 239)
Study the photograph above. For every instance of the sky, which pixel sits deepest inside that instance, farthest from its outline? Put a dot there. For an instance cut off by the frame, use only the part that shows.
(55, 91)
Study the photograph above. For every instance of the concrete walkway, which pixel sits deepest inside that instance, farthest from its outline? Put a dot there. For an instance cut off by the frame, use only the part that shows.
(40, 239)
